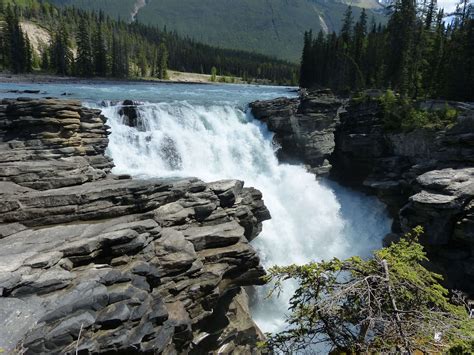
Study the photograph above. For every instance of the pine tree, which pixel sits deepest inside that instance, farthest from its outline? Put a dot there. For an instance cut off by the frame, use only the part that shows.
(346, 32)
(45, 66)
(16, 43)
(27, 54)
(162, 62)
(100, 52)
(3, 39)
(306, 60)
(142, 62)
(401, 40)
(84, 60)
(388, 303)
(417, 54)
(61, 55)
(120, 60)
(360, 34)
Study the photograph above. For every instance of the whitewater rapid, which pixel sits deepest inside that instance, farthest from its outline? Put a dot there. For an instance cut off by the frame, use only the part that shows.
(311, 220)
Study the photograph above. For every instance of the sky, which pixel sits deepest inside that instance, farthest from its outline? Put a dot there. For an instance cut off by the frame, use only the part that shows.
(448, 5)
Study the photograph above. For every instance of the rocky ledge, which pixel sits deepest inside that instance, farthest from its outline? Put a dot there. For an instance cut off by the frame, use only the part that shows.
(96, 263)
(425, 176)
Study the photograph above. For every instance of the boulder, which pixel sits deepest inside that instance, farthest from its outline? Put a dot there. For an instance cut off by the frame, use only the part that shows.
(130, 114)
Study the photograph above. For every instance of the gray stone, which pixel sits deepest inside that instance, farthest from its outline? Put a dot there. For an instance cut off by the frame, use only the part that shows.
(134, 265)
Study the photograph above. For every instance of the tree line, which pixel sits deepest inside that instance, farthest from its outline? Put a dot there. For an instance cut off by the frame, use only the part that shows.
(91, 44)
(418, 53)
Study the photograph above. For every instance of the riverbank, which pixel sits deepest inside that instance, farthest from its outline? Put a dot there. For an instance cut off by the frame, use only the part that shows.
(175, 77)
(182, 78)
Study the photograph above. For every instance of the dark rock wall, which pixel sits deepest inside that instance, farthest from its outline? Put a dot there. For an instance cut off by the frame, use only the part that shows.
(97, 263)
(425, 176)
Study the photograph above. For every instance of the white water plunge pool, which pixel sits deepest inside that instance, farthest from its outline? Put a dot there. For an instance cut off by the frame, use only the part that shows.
(204, 131)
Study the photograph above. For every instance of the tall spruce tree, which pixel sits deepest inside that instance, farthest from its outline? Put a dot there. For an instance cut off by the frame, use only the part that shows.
(162, 62)
(120, 60)
(16, 44)
(60, 52)
(401, 36)
(100, 51)
(359, 48)
(346, 32)
(84, 61)
(306, 61)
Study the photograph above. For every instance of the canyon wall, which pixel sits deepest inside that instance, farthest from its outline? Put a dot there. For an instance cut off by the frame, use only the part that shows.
(425, 176)
(93, 262)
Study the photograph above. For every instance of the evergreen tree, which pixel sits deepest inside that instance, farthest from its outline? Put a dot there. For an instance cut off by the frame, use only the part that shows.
(138, 47)
(60, 54)
(28, 54)
(100, 52)
(306, 61)
(346, 32)
(389, 303)
(418, 53)
(45, 66)
(162, 62)
(84, 61)
(120, 60)
(359, 48)
(16, 44)
(401, 41)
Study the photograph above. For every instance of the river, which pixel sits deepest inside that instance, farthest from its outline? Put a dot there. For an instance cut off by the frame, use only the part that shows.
(206, 131)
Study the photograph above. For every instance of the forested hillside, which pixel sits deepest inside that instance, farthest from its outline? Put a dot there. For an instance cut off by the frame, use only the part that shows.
(264, 26)
(418, 53)
(92, 44)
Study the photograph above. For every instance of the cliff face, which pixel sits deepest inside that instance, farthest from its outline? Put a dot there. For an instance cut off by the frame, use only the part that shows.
(94, 262)
(426, 176)
(304, 128)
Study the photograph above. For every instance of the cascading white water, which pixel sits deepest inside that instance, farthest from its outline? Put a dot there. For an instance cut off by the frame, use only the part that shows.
(218, 142)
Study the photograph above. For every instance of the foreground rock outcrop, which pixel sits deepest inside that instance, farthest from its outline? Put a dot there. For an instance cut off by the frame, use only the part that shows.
(425, 176)
(97, 263)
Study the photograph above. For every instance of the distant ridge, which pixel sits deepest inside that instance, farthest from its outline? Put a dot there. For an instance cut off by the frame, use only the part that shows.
(272, 27)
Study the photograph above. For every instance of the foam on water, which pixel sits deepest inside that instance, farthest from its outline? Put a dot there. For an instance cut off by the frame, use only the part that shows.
(311, 220)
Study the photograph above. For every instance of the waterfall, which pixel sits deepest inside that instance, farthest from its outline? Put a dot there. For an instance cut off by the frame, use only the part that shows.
(311, 220)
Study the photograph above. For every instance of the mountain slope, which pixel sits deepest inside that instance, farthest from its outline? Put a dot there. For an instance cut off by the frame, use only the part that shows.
(273, 27)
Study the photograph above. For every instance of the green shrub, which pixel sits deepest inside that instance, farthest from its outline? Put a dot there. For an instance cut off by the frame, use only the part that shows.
(389, 303)
(402, 114)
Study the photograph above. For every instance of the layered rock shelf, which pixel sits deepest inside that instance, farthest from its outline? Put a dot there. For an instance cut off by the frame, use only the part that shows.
(425, 176)
(91, 262)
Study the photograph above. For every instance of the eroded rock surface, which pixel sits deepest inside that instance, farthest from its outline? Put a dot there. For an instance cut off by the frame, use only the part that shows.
(97, 263)
(46, 144)
(304, 127)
